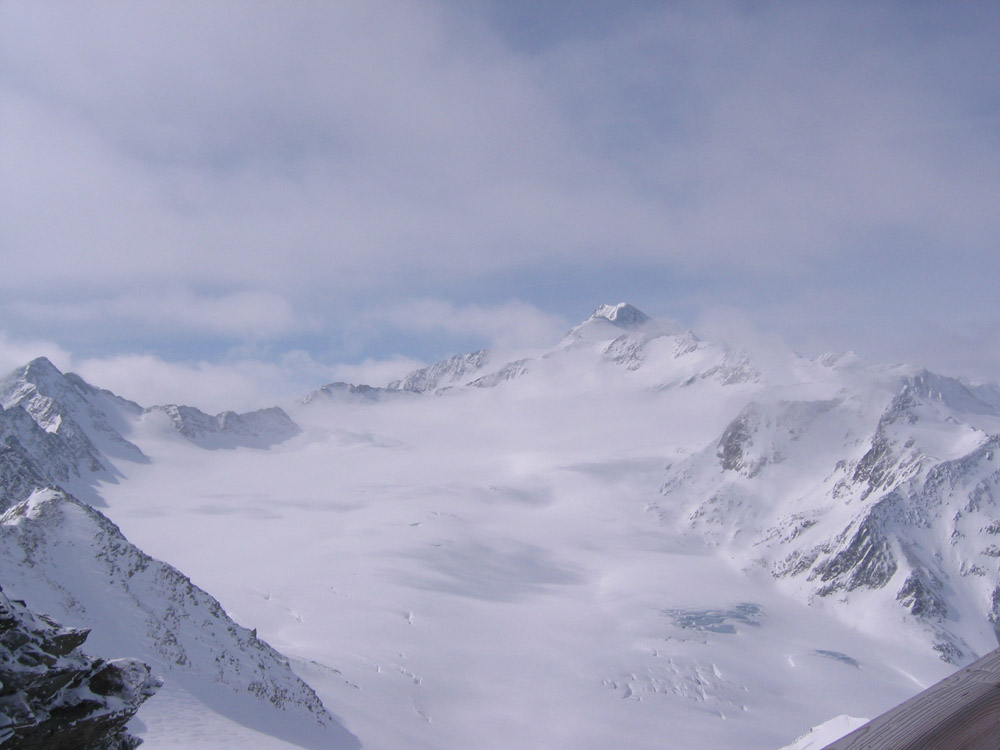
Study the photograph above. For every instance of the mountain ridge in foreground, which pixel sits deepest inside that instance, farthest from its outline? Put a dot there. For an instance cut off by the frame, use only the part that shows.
(633, 531)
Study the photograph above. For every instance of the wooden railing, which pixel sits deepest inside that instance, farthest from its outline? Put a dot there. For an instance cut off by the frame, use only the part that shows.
(962, 712)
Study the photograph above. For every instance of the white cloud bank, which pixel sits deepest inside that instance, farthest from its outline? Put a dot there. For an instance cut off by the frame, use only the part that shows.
(254, 171)
(240, 384)
(236, 383)
(249, 315)
(15, 352)
(248, 378)
(511, 325)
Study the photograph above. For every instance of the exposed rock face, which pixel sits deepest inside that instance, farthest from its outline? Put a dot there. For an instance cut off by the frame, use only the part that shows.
(735, 446)
(20, 469)
(53, 697)
(863, 557)
(32, 457)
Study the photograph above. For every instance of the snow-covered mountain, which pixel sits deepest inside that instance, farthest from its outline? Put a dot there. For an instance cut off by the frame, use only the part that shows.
(885, 501)
(89, 420)
(845, 478)
(630, 535)
(618, 334)
(58, 427)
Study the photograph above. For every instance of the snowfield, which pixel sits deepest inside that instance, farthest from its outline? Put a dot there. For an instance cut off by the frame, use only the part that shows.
(595, 548)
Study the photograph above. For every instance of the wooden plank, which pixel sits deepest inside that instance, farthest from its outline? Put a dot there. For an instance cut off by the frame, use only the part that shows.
(962, 712)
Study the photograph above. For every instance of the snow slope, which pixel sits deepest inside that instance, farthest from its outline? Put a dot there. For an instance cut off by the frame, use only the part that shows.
(67, 560)
(444, 591)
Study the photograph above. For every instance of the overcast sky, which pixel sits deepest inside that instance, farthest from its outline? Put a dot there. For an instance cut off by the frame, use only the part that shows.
(245, 197)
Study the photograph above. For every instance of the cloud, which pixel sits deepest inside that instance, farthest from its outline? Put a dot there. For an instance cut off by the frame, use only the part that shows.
(287, 165)
(236, 384)
(244, 314)
(511, 325)
(362, 143)
(376, 372)
(16, 352)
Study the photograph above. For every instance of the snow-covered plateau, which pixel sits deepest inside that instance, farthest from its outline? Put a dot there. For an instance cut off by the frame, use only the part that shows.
(633, 539)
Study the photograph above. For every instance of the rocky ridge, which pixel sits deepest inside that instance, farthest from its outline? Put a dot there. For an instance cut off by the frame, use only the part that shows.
(53, 696)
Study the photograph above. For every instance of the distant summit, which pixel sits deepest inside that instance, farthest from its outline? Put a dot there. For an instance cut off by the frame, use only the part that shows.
(622, 315)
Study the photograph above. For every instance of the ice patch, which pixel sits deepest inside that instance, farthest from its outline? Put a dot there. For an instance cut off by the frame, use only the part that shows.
(716, 620)
(837, 656)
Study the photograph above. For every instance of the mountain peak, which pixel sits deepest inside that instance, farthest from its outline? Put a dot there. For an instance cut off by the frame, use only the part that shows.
(622, 315)
(40, 367)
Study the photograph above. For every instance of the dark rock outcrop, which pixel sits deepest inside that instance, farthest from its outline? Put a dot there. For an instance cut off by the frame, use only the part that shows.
(54, 697)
